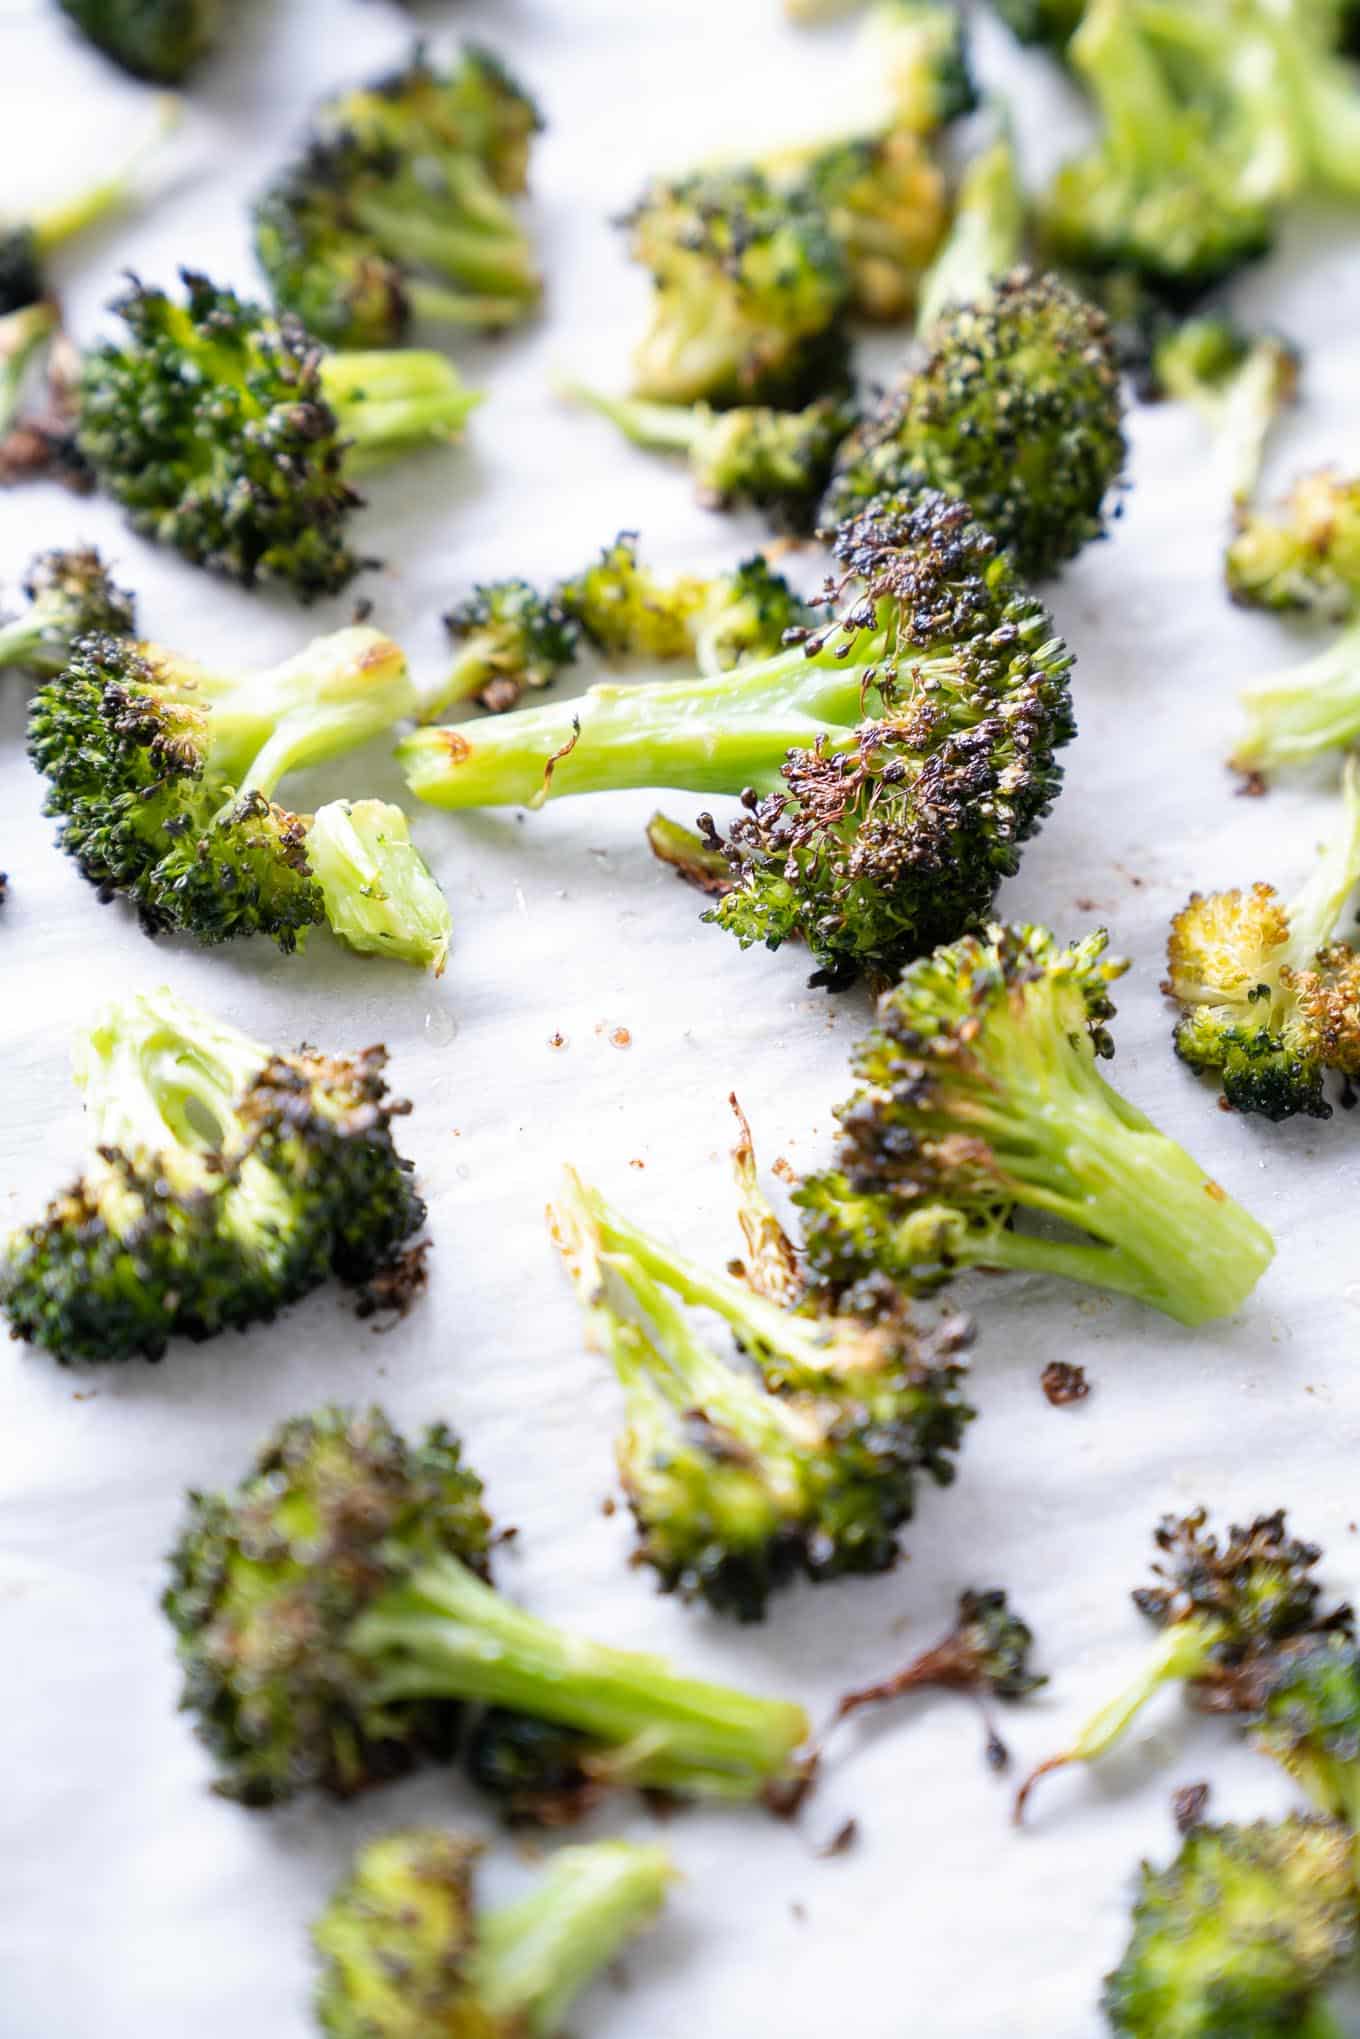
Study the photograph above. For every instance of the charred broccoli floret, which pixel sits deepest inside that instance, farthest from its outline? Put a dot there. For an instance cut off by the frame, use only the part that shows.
(868, 838)
(627, 611)
(750, 288)
(980, 1098)
(1226, 1615)
(1303, 555)
(1240, 1936)
(223, 1181)
(230, 434)
(509, 638)
(1301, 714)
(161, 40)
(162, 775)
(1238, 384)
(335, 1617)
(70, 595)
(1270, 1001)
(985, 1656)
(802, 1457)
(406, 1954)
(779, 461)
(885, 204)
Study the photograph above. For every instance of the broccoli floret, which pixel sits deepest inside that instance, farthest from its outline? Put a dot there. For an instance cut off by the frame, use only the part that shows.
(1238, 384)
(376, 889)
(980, 1099)
(1049, 23)
(986, 237)
(1306, 554)
(802, 1457)
(1269, 1000)
(885, 203)
(509, 638)
(779, 461)
(1240, 1936)
(473, 109)
(919, 49)
(231, 434)
(161, 40)
(1303, 1710)
(162, 775)
(985, 1655)
(334, 1617)
(1298, 715)
(750, 289)
(1225, 1615)
(406, 1954)
(626, 611)
(70, 595)
(223, 1181)
(1016, 411)
(869, 839)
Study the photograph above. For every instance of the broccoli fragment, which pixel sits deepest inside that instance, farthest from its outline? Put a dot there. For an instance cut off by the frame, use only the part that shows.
(627, 612)
(1270, 1000)
(980, 1098)
(750, 288)
(509, 638)
(701, 860)
(779, 461)
(885, 205)
(162, 776)
(868, 839)
(1305, 1714)
(1298, 715)
(1239, 385)
(230, 434)
(406, 1954)
(1226, 1614)
(223, 1182)
(1240, 1935)
(334, 1619)
(1016, 411)
(162, 40)
(985, 1655)
(919, 48)
(804, 1457)
(71, 595)
(986, 238)
(378, 895)
(1306, 555)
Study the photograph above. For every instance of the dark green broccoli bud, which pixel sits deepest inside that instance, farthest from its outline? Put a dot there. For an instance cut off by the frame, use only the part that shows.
(986, 237)
(803, 1459)
(869, 839)
(162, 40)
(1049, 23)
(779, 461)
(1017, 411)
(71, 595)
(472, 110)
(162, 776)
(1301, 714)
(223, 1182)
(1240, 1936)
(985, 1655)
(885, 203)
(1269, 1000)
(406, 1954)
(25, 247)
(919, 48)
(980, 1098)
(334, 1619)
(230, 434)
(1223, 1614)
(750, 288)
(1239, 385)
(509, 638)
(1305, 1714)
(1303, 555)
(376, 889)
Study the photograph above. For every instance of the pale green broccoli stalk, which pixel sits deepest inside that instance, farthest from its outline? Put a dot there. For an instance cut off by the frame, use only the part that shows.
(1304, 554)
(379, 896)
(1239, 385)
(985, 240)
(1298, 715)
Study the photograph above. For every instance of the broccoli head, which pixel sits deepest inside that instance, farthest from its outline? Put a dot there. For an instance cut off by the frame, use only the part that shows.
(223, 1182)
(70, 595)
(627, 611)
(867, 838)
(509, 637)
(1269, 1000)
(980, 1098)
(472, 109)
(1305, 554)
(231, 434)
(1305, 1713)
(334, 1621)
(1238, 384)
(406, 1954)
(885, 204)
(162, 40)
(750, 289)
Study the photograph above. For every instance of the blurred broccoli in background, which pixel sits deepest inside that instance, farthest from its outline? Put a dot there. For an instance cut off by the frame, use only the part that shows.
(161, 40)
(1238, 384)
(70, 595)
(1303, 555)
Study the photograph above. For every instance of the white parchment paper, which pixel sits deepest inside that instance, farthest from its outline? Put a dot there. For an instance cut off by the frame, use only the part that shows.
(135, 1905)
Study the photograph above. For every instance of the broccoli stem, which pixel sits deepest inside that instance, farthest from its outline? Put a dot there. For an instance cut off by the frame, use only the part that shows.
(1311, 709)
(534, 1957)
(431, 304)
(446, 1635)
(986, 239)
(499, 262)
(1135, 99)
(388, 399)
(1316, 908)
(63, 222)
(663, 428)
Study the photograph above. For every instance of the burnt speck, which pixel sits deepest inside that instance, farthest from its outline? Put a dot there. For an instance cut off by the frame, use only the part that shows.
(557, 1040)
(362, 610)
(841, 1842)
(1062, 1382)
(609, 1506)
(785, 1170)
(621, 1038)
(1251, 786)
(1187, 1806)
(392, 1290)
(635, 1163)
(1216, 1191)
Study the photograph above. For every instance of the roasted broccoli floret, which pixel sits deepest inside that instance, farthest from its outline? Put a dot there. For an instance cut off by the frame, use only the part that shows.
(231, 434)
(1270, 1001)
(406, 1954)
(919, 49)
(162, 775)
(1304, 712)
(885, 203)
(334, 1618)
(1238, 384)
(1240, 1936)
(750, 288)
(1303, 555)
(802, 1456)
(985, 1656)
(472, 108)
(868, 838)
(223, 1181)
(986, 237)
(1304, 1712)
(70, 595)
(509, 637)
(1050, 23)
(1017, 411)
(157, 39)
(626, 611)
(779, 461)
(980, 1098)
(1226, 1615)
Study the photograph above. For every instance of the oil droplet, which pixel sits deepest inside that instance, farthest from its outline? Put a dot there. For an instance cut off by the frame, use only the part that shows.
(440, 1026)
